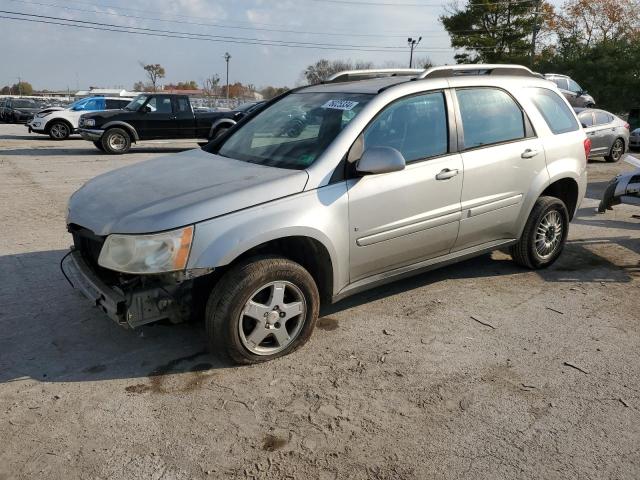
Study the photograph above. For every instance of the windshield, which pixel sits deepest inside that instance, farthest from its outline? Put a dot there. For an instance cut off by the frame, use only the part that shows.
(24, 104)
(295, 131)
(136, 103)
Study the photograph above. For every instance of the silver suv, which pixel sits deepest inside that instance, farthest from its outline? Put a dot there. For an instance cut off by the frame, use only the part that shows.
(326, 191)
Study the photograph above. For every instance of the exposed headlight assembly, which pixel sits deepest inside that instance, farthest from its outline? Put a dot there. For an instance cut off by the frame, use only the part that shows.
(88, 122)
(143, 254)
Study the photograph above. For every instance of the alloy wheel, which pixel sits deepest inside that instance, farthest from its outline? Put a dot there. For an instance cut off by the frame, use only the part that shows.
(59, 131)
(617, 149)
(272, 318)
(549, 234)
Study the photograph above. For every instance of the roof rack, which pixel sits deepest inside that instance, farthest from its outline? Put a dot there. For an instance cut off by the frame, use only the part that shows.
(477, 69)
(349, 75)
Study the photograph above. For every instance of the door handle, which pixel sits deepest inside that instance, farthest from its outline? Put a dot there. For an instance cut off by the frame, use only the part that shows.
(529, 153)
(447, 173)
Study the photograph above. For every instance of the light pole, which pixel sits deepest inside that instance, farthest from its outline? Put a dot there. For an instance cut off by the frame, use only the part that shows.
(413, 43)
(227, 57)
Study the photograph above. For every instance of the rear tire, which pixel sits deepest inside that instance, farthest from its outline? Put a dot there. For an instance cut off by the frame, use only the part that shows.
(616, 152)
(248, 321)
(59, 131)
(219, 132)
(116, 141)
(544, 235)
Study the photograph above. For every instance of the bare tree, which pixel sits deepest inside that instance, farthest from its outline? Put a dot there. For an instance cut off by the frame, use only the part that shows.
(155, 71)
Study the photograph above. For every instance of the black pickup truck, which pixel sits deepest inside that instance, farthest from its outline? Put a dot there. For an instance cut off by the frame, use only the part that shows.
(155, 117)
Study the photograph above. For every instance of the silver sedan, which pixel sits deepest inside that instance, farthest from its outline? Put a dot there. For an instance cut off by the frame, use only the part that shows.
(609, 134)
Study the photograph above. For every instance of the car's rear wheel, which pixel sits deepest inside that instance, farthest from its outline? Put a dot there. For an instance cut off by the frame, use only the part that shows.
(544, 235)
(219, 132)
(261, 309)
(116, 141)
(616, 152)
(59, 131)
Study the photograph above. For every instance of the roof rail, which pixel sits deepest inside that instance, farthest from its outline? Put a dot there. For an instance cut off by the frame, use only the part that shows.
(477, 69)
(349, 75)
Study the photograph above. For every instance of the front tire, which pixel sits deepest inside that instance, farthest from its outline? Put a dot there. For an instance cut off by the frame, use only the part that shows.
(116, 141)
(616, 152)
(59, 131)
(544, 235)
(262, 309)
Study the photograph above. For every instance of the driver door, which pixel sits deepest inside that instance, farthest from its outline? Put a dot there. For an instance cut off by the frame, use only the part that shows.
(401, 218)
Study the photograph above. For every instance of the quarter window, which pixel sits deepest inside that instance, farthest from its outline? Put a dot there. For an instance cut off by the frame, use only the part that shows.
(489, 116)
(554, 110)
(415, 126)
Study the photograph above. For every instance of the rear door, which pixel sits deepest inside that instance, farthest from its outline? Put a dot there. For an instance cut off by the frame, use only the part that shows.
(185, 120)
(501, 156)
(602, 134)
(401, 218)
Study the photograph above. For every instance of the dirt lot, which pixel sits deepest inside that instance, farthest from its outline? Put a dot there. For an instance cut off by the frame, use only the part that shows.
(439, 396)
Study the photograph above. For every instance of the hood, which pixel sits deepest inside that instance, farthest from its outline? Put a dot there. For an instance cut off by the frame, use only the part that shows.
(176, 190)
(50, 109)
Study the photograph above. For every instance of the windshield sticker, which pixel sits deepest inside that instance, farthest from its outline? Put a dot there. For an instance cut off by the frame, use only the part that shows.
(340, 104)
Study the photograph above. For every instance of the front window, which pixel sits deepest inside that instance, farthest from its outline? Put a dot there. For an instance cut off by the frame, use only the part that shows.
(574, 87)
(295, 131)
(136, 103)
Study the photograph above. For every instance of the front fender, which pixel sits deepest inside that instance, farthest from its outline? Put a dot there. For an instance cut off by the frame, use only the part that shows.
(320, 214)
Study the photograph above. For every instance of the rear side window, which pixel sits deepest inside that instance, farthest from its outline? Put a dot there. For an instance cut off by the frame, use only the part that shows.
(586, 119)
(415, 126)
(554, 110)
(602, 118)
(116, 104)
(183, 105)
(489, 116)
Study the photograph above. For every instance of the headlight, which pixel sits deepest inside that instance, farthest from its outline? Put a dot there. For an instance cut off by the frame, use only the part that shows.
(88, 122)
(140, 254)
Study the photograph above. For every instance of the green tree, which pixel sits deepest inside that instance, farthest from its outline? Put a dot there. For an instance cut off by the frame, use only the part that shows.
(22, 88)
(493, 32)
(154, 71)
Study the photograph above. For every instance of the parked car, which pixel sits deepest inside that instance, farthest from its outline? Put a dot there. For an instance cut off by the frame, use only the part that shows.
(3, 102)
(623, 188)
(153, 117)
(20, 110)
(634, 118)
(258, 228)
(609, 134)
(577, 96)
(60, 123)
(634, 139)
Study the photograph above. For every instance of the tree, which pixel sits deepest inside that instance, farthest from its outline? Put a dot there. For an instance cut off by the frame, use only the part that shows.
(210, 85)
(23, 88)
(154, 72)
(140, 87)
(270, 92)
(323, 69)
(6, 90)
(493, 32)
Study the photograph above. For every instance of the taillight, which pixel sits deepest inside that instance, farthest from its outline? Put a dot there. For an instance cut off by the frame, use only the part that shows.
(627, 126)
(587, 148)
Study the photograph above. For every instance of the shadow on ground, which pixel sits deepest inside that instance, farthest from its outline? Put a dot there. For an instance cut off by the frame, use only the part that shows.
(60, 152)
(51, 333)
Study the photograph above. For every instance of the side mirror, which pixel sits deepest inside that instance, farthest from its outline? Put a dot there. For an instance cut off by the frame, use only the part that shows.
(376, 160)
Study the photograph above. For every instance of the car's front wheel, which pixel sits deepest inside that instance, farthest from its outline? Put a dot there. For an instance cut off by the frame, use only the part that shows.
(59, 131)
(116, 141)
(544, 235)
(261, 309)
(616, 152)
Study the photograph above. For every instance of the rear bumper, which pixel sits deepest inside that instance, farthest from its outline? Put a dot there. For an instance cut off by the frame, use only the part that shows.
(91, 135)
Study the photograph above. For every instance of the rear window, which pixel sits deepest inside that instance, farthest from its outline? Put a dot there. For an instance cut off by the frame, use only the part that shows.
(586, 119)
(554, 110)
(489, 116)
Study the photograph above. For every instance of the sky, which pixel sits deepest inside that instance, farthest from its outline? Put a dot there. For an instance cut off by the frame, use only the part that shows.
(58, 57)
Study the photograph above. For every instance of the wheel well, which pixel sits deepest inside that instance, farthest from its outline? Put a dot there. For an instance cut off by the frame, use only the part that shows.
(306, 251)
(126, 129)
(566, 189)
(56, 120)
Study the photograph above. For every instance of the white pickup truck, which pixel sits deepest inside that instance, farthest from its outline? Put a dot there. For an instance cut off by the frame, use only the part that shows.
(60, 123)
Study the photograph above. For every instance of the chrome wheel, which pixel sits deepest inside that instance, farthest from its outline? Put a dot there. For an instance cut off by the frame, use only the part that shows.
(549, 234)
(272, 318)
(117, 141)
(617, 150)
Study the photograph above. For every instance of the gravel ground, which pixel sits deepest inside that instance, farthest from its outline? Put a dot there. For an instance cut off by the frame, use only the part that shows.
(398, 383)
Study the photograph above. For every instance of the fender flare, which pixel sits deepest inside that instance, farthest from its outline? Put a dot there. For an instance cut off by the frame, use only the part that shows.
(127, 126)
(222, 121)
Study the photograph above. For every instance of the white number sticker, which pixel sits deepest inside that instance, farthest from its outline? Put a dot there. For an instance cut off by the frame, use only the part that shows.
(340, 104)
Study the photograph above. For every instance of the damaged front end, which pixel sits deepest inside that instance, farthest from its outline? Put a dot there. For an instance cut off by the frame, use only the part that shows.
(128, 299)
(624, 188)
